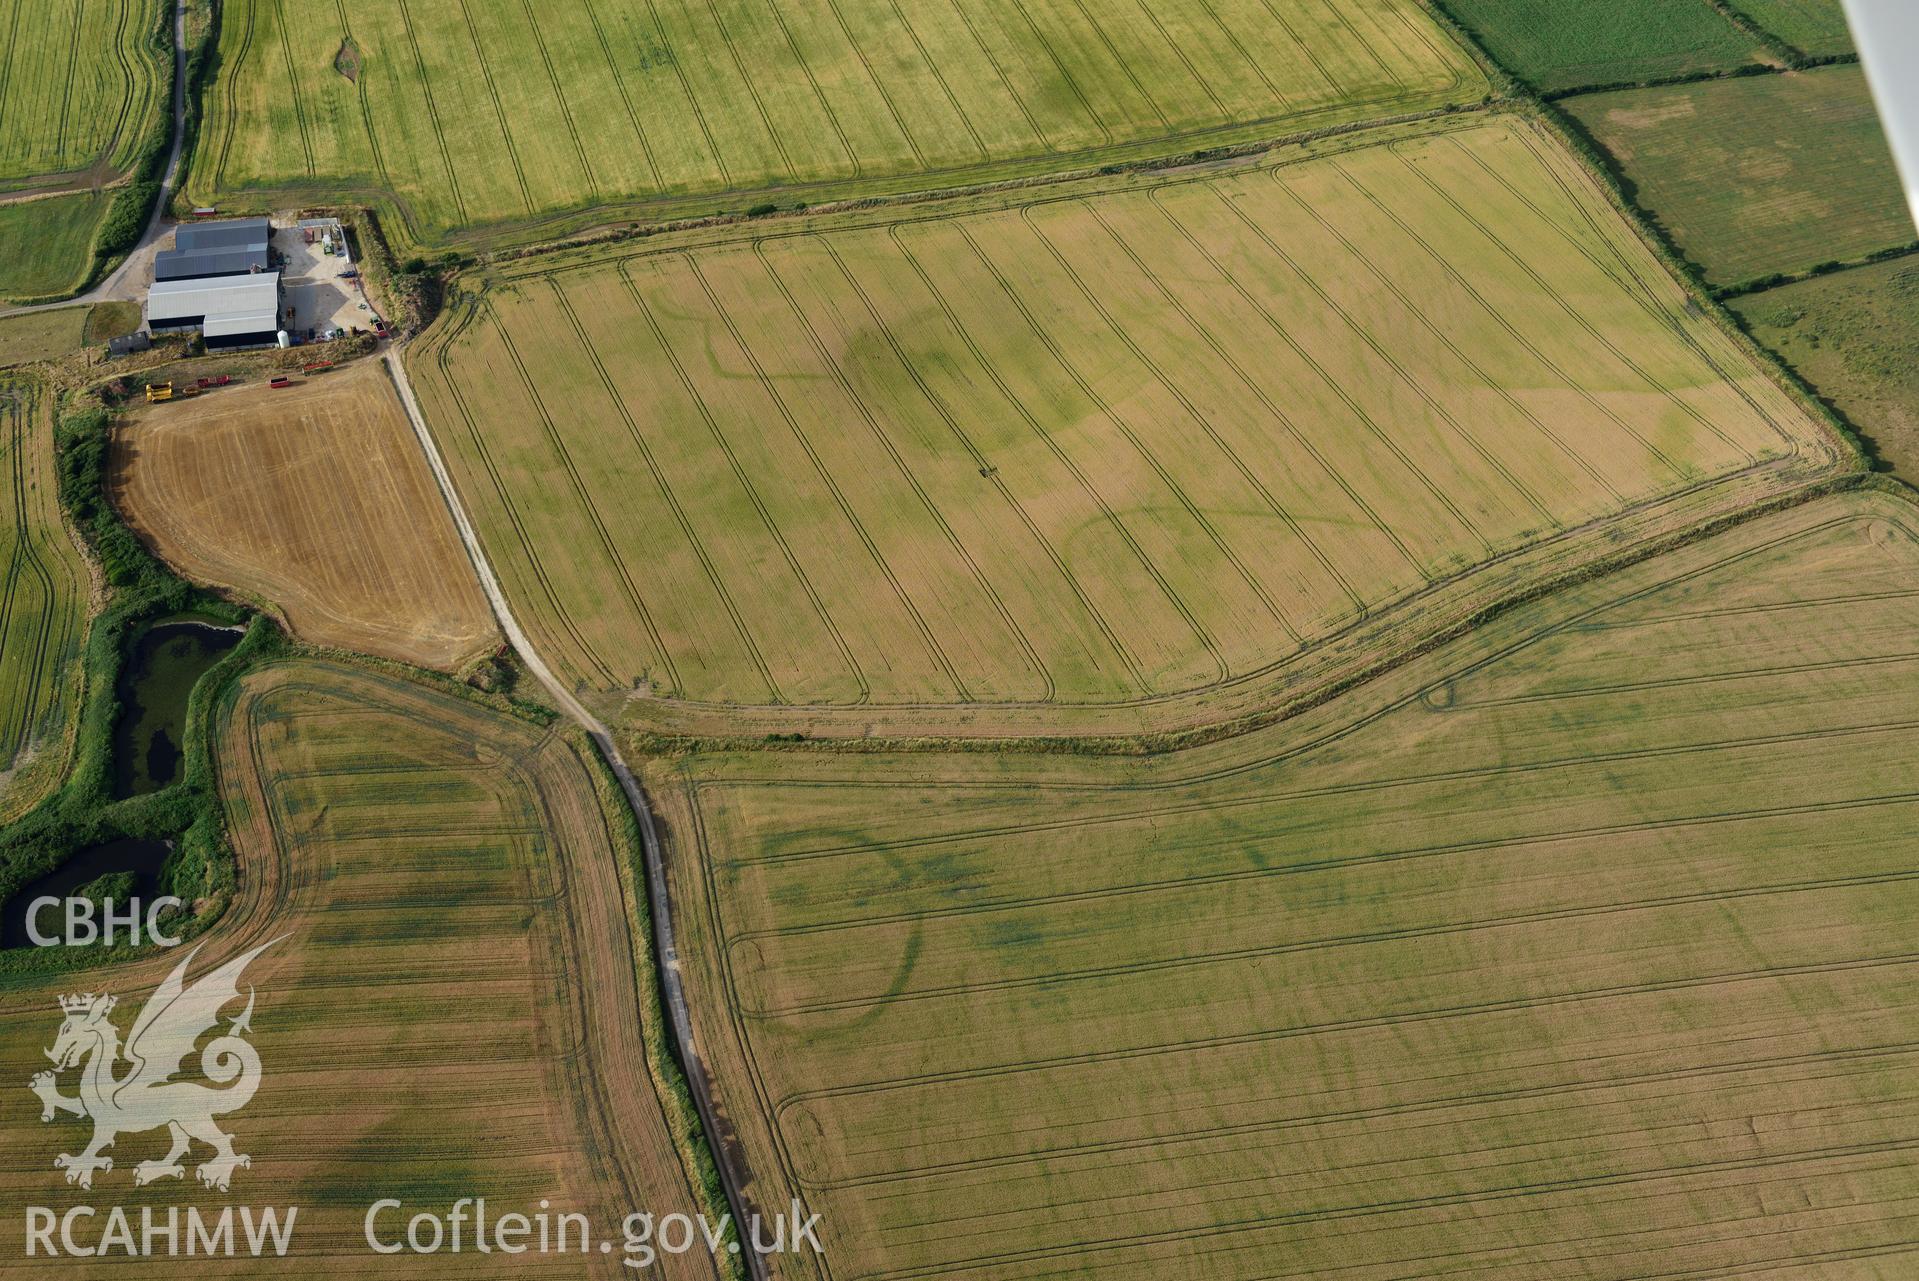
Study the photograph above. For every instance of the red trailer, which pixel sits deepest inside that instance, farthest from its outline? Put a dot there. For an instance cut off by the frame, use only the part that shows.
(280, 380)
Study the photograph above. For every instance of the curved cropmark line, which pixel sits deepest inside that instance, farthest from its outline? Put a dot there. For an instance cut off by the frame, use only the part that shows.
(687, 532)
(966, 442)
(559, 98)
(432, 109)
(1305, 49)
(1180, 496)
(130, 84)
(1412, 384)
(1634, 283)
(746, 484)
(1272, 407)
(730, 1004)
(1338, 14)
(1512, 331)
(584, 496)
(879, 434)
(1187, 959)
(1112, 518)
(527, 544)
(826, 478)
(1335, 385)
(499, 110)
(619, 82)
(1192, 411)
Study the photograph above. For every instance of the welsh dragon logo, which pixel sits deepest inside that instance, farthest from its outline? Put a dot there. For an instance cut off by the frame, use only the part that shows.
(143, 1097)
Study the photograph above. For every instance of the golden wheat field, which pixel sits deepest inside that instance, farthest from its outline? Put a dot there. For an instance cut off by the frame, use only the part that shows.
(315, 499)
(1100, 444)
(1580, 944)
(450, 1009)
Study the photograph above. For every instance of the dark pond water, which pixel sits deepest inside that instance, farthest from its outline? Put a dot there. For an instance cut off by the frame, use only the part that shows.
(118, 869)
(167, 661)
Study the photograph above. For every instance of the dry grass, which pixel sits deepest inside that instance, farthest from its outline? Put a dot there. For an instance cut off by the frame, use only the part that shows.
(1113, 442)
(316, 498)
(452, 1010)
(1585, 938)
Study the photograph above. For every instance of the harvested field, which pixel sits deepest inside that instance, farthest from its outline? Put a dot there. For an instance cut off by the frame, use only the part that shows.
(1568, 44)
(316, 498)
(451, 1011)
(1579, 946)
(1816, 27)
(517, 119)
(1761, 174)
(43, 600)
(1854, 336)
(1118, 441)
(81, 82)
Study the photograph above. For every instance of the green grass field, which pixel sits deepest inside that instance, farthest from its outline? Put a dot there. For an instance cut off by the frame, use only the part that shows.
(1853, 335)
(1758, 175)
(488, 112)
(1816, 27)
(43, 599)
(1567, 44)
(81, 82)
(1118, 441)
(41, 335)
(1585, 937)
(46, 246)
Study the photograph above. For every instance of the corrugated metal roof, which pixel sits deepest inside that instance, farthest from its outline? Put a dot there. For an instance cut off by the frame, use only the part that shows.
(260, 322)
(232, 233)
(215, 297)
(215, 249)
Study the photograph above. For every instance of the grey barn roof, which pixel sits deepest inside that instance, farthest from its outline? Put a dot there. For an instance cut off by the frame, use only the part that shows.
(223, 304)
(214, 249)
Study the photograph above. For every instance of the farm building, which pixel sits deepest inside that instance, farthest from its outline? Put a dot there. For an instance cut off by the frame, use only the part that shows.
(206, 249)
(229, 311)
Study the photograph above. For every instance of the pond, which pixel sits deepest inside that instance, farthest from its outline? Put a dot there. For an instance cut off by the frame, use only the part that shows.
(118, 869)
(167, 661)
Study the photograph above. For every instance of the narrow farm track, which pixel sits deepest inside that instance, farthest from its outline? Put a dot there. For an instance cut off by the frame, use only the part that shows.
(666, 951)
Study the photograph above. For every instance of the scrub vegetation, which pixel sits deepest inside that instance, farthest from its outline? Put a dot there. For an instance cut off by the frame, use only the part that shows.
(1854, 336)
